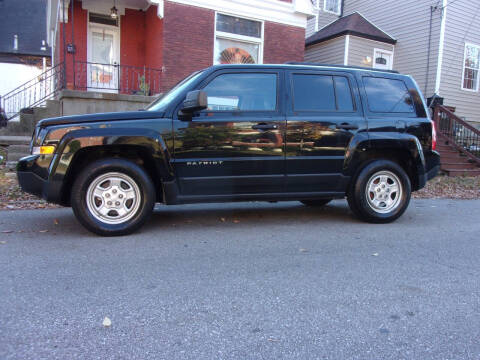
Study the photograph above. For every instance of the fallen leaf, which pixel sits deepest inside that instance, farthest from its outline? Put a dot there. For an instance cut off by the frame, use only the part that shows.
(107, 322)
(375, 254)
(7, 231)
(273, 340)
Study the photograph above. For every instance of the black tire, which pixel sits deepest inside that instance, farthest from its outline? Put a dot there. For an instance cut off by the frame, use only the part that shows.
(316, 203)
(139, 213)
(358, 198)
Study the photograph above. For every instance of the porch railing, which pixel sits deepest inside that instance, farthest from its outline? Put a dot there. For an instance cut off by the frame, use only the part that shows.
(458, 132)
(124, 79)
(34, 92)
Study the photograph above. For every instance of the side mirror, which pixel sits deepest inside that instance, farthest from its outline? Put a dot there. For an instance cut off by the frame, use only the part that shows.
(195, 101)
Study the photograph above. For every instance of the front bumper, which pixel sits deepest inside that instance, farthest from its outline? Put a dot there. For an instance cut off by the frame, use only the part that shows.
(33, 177)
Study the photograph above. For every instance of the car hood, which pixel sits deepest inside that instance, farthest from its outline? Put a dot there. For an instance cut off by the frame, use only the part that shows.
(101, 117)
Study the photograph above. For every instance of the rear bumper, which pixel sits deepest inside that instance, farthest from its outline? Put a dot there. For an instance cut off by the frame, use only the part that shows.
(432, 167)
(33, 177)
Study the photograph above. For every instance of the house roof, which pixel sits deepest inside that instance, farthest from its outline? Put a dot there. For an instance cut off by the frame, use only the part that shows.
(353, 24)
(27, 20)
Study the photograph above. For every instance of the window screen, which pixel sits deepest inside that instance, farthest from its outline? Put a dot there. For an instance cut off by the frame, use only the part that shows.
(387, 95)
(321, 93)
(242, 92)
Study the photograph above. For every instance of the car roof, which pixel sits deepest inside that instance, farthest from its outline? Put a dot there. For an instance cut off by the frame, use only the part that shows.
(304, 65)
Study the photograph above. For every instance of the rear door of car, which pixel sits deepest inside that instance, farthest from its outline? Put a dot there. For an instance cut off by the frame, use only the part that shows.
(236, 146)
(324, 113)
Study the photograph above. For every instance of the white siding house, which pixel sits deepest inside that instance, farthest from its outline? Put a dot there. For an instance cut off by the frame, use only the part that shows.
(433, 41)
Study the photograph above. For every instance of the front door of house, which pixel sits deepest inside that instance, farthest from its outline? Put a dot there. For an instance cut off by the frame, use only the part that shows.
(103, 59)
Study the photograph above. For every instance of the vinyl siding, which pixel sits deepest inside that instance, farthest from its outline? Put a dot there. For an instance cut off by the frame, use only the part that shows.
(359, 48)
(324, 18)
(408, 22)
(310, 30)
(458, 31)
(328, 52)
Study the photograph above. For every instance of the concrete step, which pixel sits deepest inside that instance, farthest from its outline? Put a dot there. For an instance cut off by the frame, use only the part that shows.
(24, 149)
(7, 140)
(14, 156)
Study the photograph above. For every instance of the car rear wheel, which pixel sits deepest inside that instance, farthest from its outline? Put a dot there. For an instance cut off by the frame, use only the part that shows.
(113, 197)
(380, 193)
(317, 202)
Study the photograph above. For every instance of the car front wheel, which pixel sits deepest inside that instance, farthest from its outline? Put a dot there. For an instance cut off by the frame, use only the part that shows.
(380, 193)
(113, 197)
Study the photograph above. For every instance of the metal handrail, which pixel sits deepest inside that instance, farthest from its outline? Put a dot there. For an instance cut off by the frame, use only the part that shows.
(458, 132)
(124, 79)
(33, 92)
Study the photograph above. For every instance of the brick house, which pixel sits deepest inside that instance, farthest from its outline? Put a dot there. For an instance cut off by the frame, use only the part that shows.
(146, 46)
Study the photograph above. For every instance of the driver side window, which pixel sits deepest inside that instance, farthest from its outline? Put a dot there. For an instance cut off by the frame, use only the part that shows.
(242, 92)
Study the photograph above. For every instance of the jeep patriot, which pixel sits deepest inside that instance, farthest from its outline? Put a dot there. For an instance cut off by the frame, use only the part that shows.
(305, 132)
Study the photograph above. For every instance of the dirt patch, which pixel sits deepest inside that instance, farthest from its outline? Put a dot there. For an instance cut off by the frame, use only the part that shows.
(459, 187)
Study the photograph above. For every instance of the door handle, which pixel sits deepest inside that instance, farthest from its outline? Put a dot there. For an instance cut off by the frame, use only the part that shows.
(264, 126)
(347, 126)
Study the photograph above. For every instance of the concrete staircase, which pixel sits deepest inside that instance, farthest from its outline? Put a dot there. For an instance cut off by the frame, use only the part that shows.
(17, 147)
(453, 162)
(29, 118)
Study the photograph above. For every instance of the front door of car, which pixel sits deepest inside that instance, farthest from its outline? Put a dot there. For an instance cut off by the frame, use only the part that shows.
(323, 115)
(236, 145)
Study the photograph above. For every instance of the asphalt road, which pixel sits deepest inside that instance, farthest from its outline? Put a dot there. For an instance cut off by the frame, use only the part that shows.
(244, 281)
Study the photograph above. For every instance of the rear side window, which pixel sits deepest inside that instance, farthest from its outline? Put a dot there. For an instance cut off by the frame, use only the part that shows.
(242, 92)
(313, 92)
(388, 95)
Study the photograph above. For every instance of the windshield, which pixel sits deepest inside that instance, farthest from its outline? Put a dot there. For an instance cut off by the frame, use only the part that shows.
(161, 103)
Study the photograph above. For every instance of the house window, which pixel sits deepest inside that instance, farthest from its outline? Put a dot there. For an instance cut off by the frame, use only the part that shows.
(102, 19)
(238, 40)
(332, 6)
(471, 66)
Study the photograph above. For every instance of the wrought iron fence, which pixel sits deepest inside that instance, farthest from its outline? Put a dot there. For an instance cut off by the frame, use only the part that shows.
(463, 135)
(34, 92)
(124, 79)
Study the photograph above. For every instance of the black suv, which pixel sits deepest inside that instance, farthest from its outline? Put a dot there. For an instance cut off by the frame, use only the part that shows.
(304, 132)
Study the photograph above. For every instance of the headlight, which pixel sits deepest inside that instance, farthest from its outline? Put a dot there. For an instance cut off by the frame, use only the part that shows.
(43, 150)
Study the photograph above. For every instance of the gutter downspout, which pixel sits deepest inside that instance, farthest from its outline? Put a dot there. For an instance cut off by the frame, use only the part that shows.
(432, 10)
(440, 47)
(73, 44)
(346, 50)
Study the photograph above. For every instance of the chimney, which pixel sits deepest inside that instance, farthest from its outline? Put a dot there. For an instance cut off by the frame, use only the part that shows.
(15, 42)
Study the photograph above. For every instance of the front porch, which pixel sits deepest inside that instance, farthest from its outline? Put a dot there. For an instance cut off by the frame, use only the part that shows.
(108, 46)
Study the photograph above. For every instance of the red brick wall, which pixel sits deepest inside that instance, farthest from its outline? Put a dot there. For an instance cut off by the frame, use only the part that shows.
(80, 39)
(153, 39)
(188, 37)
(283, 43)
(132, 38)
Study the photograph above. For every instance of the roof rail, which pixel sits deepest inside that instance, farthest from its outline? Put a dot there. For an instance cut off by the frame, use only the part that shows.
(338, 66)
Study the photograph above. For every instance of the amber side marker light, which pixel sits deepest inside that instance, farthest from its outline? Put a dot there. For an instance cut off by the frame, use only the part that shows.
(43, 150)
